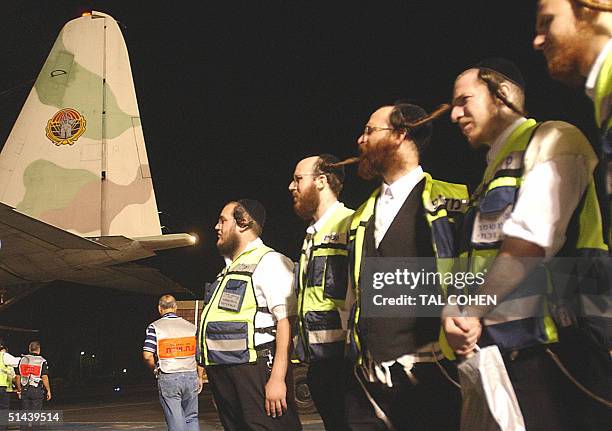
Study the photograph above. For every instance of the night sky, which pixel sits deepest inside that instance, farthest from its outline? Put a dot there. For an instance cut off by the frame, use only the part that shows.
(233, 94)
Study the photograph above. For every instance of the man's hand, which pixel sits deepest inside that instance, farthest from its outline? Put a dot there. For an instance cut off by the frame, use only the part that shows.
(462, 333)
(48, 396)
(276, 397)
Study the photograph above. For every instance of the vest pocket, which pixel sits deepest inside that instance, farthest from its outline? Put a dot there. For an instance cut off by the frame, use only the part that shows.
(232, 295)
(497, 199)
(227, 342)
(336, 273)
(315, 271)
(325, 334)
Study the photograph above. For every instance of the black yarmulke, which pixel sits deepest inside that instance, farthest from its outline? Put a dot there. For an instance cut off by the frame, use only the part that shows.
(255, 209)
(505, 67)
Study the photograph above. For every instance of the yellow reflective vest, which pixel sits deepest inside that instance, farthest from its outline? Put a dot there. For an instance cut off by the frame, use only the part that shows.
(227, 325)
(442, 201)
(6, 373)
(523, 318)
(321, 281)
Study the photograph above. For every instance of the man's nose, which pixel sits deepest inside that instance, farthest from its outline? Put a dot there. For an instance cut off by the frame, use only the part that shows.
(538, 42)
(456, 113)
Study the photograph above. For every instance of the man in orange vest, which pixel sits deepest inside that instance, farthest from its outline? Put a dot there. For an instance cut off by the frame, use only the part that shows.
(169, 351)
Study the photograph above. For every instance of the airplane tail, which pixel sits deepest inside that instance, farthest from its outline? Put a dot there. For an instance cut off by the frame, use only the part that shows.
(76, 156)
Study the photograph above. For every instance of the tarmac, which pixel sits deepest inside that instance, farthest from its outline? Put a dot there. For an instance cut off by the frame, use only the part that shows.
(133, 408)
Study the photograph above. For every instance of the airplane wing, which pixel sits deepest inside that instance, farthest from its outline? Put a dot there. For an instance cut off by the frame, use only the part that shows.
(131, 277)
(33, 252)
(30, 249)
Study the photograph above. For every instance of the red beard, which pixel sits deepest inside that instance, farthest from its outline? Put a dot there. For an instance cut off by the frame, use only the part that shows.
(307, 203)
(563, 58)
(376, 160)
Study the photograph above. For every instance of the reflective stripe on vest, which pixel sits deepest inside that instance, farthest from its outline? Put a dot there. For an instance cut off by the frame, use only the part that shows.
(176, 344)
(227, 325)
(30, 369)
(321, 276)
(441, 200)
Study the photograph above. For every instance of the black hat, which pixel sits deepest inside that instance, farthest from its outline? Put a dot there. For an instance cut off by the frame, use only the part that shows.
(255, 209)
(504, 67)
(406, 113)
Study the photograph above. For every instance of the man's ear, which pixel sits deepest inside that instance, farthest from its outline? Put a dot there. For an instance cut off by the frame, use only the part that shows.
(320, 181)
(400, 136)
(244, 228)
(504, 90)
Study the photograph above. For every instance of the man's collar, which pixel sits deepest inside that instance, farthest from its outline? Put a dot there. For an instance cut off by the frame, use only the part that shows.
(250, 246)
(316, 227)
(403, 185)
(591, 81)
(498, 144)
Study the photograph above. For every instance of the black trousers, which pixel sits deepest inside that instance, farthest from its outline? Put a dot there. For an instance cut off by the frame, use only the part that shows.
(326, 382)
(239, 393)
(32, 399)
(540, 389)
(4, 406)
(434, 403)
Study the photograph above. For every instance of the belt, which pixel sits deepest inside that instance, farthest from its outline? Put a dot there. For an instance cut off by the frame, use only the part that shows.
(429, 353)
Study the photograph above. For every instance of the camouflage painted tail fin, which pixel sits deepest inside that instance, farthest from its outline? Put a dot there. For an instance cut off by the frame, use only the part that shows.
(76, 156)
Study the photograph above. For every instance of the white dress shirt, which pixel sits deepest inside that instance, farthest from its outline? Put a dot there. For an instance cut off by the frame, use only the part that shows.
(9, 360)
(391, 199)
(273, 283)
(550, 191)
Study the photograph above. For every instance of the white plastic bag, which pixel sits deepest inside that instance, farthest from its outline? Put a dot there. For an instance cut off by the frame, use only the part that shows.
(489, 401)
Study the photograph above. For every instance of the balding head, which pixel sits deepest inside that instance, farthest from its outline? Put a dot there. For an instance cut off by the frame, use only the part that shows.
(166, 304)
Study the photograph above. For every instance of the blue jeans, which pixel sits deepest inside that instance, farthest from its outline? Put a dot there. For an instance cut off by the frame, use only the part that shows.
(178, 394)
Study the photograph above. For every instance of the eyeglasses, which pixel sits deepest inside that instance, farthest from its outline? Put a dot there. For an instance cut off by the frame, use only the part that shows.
(298, 178)
(368, 130)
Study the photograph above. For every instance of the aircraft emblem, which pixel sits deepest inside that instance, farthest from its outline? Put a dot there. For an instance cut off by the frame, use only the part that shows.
(65, 127)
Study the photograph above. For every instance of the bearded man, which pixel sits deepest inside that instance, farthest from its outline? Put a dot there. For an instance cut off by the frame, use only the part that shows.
(575, 37)
(322, 283)
(399, 376)
(245, 331)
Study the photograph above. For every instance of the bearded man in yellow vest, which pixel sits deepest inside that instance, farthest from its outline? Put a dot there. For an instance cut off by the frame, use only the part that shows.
(321, 278)
(169, 351)
(245, 330)
(400, 379)
(575, 37)
(536, 201)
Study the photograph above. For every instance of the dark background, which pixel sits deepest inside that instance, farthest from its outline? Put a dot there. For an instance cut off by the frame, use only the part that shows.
(232, 94)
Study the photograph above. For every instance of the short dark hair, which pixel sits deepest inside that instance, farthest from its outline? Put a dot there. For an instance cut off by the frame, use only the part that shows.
(325, 165)
(405, 117)
(244, 219)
